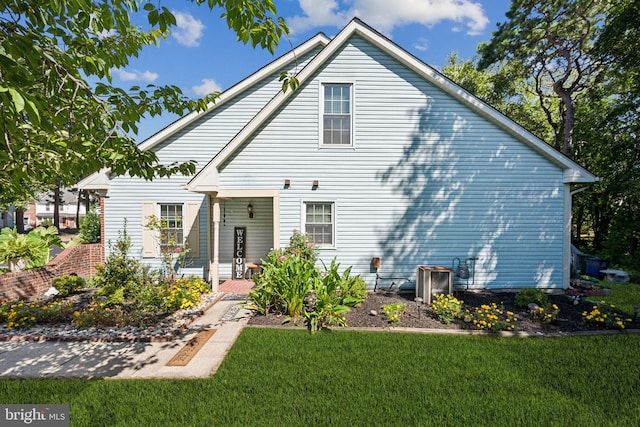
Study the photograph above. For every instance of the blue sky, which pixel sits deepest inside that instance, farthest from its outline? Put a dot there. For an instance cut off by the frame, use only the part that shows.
(202, 54)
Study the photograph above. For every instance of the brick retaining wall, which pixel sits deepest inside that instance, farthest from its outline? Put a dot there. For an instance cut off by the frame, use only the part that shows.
(81, 260)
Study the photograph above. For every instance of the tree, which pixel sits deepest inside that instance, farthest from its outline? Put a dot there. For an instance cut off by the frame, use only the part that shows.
(608, 132)
(553, 41)
(503, 87)
(55, 126)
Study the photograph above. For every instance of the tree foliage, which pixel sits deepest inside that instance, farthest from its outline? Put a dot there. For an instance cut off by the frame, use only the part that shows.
(55, 125)
(553, 41)
(502, 86)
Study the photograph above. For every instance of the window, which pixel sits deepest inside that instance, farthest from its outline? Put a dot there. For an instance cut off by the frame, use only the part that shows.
(319, 222)
(172, 232)
(336, 119)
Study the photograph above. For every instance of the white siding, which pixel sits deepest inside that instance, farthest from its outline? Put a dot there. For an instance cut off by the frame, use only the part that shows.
(427, 180)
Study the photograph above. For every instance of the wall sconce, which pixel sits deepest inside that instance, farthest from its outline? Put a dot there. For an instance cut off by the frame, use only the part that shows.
(250, 210)
(375, 262)
(287, 183)
(315, 184)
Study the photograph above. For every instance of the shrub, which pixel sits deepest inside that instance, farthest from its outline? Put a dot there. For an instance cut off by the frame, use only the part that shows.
(526, 296)
(491, 317)
(90, 227)
(120, 277)
(67, 285)
(394, 311)
(446, 307)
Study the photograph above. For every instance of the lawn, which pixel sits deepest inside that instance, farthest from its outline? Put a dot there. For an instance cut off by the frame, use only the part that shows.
(289, 377)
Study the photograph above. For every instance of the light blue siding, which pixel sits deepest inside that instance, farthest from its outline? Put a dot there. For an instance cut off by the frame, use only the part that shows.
(199, 141)
(427, 180)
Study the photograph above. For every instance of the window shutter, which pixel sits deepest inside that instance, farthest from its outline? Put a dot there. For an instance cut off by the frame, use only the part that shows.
(148, 235)
(192, 221)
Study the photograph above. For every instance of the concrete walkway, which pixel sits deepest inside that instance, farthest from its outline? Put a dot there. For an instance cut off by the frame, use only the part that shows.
(54, 359)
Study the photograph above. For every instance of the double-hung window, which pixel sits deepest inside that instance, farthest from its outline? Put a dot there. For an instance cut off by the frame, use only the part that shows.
(172, 223)
(337, 114)
(320, 222)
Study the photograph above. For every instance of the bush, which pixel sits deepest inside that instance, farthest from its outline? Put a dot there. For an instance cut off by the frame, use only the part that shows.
(67, 285)
(120, 277)
(526, 296)
(90, 227)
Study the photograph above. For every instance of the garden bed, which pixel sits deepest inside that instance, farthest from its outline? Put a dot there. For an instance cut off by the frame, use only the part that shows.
(569, 319)
(154, 327)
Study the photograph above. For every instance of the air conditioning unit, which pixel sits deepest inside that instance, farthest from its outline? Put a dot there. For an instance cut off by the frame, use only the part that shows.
(433, 280)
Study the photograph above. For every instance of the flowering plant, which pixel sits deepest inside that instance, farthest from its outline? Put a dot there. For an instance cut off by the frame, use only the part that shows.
(446, 307)
(491, 317)
(393, 312)
(605, 315)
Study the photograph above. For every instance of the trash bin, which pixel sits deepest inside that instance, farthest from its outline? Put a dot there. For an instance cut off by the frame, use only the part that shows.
(594, 265)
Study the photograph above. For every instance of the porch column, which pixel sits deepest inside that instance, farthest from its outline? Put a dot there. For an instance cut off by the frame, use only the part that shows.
(214, 267)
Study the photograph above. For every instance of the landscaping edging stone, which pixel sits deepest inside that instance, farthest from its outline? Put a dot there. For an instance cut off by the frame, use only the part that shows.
(175, 325)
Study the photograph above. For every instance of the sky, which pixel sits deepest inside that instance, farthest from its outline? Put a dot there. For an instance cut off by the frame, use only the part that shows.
(202, 55)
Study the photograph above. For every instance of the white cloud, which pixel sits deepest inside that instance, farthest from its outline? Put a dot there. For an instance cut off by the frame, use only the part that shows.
(146, 76)
(385, 15)
(188, 30)
(208, 86)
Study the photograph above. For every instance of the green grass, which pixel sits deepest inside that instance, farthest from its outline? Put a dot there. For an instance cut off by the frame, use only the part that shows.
(289, 377)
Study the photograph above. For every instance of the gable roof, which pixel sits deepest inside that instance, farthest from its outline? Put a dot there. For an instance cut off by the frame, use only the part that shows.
(207, 179)
(100, 180)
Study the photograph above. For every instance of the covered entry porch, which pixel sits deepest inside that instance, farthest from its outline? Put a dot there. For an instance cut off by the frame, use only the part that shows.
(244, 227)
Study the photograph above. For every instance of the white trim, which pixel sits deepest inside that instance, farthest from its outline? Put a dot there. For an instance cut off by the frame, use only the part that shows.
(573, 172)
(334, 220)
(321, 86)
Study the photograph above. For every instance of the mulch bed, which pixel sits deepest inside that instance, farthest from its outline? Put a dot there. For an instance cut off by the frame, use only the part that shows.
(570, 318)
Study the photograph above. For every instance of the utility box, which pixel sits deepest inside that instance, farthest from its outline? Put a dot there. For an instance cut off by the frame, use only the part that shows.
(433, 280)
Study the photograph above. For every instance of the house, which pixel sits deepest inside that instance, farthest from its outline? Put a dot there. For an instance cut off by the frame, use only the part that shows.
(43, 209)
(376, 155)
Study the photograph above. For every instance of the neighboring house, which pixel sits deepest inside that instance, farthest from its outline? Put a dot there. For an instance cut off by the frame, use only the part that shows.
(42, 210)
(376, 154)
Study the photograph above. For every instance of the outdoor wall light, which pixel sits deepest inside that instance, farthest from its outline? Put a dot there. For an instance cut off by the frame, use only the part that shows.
(375, 261)
(315, 184)
(250, 210)
(287, 183)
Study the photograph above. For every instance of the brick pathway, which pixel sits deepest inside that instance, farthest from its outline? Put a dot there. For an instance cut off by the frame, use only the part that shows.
(236, 286)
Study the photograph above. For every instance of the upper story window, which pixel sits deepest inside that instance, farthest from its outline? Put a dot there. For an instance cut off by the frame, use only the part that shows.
(336, 114)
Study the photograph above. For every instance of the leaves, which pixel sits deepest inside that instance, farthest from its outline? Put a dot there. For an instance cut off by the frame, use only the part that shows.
(57, 126)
